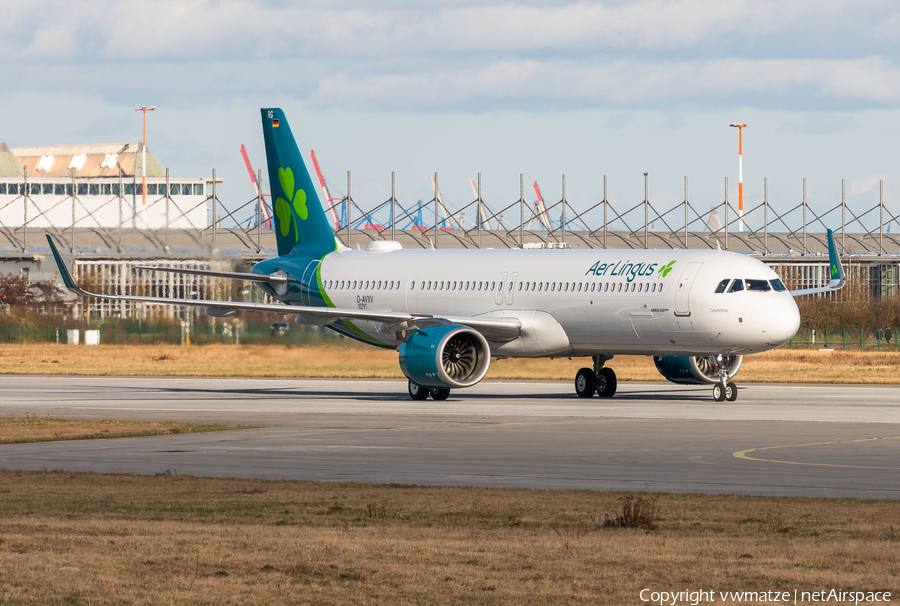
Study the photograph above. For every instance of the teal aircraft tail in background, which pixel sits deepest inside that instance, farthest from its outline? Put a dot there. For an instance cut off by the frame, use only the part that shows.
(300, 224)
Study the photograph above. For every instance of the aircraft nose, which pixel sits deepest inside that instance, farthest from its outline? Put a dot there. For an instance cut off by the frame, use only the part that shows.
(784, 324)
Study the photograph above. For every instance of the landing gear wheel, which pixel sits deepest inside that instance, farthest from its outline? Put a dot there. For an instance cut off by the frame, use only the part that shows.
(417, 392)
(606, 383)
(730, 392)
(585, 383)
(439, 394)
(718, 392)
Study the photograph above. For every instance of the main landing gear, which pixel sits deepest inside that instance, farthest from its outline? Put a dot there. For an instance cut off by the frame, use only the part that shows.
(599, 380)
(417, 392)
(724, 389)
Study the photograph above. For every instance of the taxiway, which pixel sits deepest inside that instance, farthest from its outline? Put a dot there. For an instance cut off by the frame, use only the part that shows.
(791, 440)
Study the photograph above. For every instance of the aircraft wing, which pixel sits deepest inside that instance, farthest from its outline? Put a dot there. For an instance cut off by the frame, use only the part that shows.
(234, 275)
(838, 279)
(495, 329)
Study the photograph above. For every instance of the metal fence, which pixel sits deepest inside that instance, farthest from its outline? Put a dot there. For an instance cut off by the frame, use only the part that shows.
(244, 227)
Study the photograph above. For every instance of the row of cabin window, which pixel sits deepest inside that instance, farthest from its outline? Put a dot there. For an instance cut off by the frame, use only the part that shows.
(490, 286)
(368, 284)
(102, 189)
(594, 287)
(738, 284)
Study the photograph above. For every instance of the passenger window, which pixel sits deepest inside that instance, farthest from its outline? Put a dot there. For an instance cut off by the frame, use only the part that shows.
(412, 285)
(640, 287)
(660, 287)
(757, 285)
(722, 286)
(520, 286)
(620, 287)
(553, 287)
(777, 285)
(493, 285)
(736, 286)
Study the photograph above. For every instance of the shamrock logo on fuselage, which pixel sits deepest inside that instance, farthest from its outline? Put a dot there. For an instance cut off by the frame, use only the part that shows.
(665, 269)
(283, 210)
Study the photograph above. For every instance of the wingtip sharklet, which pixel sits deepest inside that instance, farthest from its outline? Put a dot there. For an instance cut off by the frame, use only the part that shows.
(834, 261)
(63, 268)
(835, 269)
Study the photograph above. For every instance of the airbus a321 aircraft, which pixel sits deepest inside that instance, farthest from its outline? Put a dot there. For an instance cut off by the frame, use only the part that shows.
(448, 312)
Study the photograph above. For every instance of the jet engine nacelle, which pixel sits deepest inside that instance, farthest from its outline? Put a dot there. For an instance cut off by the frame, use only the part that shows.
(445, 357)
(695, 370)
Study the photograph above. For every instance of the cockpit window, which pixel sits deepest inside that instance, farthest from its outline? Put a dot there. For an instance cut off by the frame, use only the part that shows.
(777, 285)
(722, 286)
(757, 285)
(736, 286)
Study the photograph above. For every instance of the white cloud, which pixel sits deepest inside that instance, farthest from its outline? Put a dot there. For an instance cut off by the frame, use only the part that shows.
(245, 28)
(467, 56)
(861, 185)
(619, 83)
(819, 124)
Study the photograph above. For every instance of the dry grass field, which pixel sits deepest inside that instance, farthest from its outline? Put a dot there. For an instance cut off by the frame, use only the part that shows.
(18, 430)
(120, 539)
(778, 366)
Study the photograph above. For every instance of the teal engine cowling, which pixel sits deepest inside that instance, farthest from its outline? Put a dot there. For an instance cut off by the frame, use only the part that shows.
(445, 357)
(695, 370)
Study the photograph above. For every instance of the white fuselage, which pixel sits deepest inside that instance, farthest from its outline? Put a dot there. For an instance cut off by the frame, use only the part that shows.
(572, 302)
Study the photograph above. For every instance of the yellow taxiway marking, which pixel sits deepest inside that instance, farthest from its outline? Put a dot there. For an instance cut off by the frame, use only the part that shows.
(743, 454)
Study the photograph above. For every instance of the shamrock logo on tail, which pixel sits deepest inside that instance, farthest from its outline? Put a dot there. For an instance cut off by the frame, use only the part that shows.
(665, 269)
(283, 207)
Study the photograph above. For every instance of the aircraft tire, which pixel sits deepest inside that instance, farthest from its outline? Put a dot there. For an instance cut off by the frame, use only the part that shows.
(731, 392)
(718, 393)
(439, 394)
(417, 392)
(607, 383)
(585, 383)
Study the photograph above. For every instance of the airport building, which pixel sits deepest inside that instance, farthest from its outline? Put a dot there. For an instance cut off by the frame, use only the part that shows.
(93, 186)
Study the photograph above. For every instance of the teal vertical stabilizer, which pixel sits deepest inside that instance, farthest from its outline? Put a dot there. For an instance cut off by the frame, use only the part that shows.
(300, 225)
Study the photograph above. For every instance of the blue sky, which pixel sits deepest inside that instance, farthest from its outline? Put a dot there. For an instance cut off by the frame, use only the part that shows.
(542, 88)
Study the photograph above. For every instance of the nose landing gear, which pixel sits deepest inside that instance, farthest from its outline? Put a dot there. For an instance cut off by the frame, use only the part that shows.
(724, 389)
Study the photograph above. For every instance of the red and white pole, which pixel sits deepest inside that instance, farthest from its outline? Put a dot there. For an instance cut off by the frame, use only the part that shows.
(144, 109)
(741, 126)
